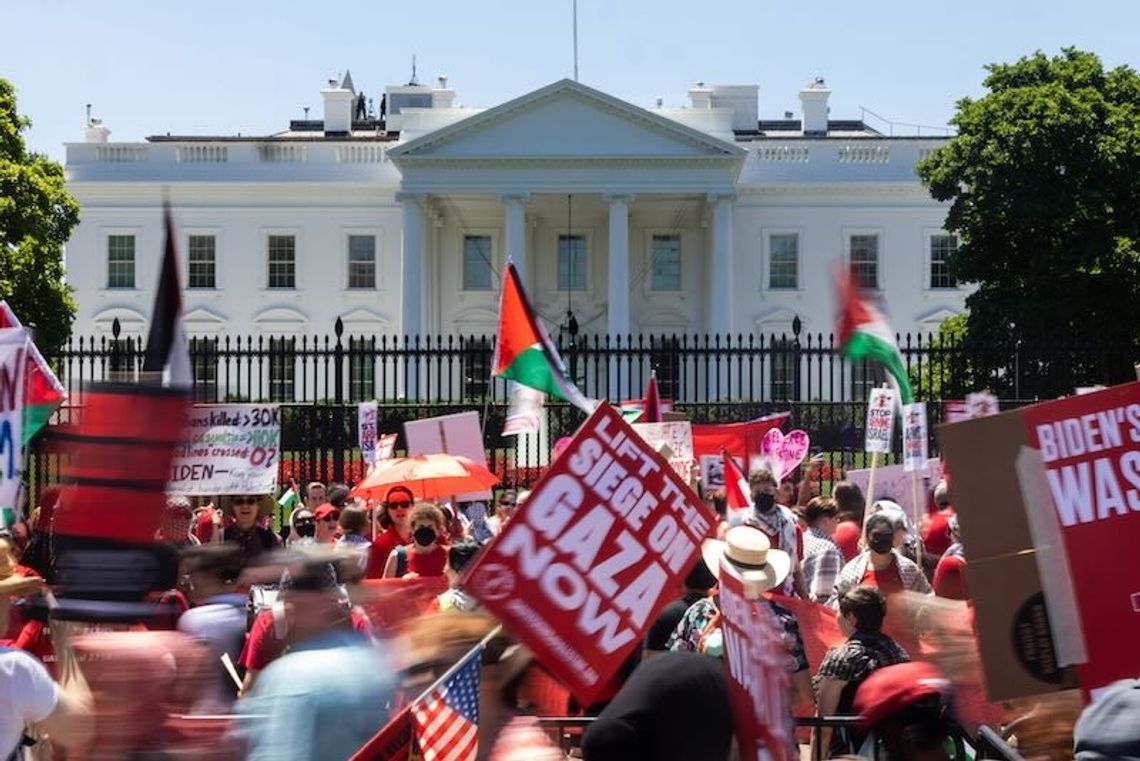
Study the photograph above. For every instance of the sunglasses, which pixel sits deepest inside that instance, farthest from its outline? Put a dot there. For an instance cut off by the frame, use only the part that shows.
(244, 500)
(402, 505)
(507, 502)
(330, 518)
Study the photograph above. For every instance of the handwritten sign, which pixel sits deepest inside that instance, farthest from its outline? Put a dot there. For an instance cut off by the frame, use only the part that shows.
(593, 555)
(366, 432)
(228, 449)
(757, 677)
(880, 421)
(13, 355)
(385, 446)
(785, 451)
(915, 436)
(674, 441)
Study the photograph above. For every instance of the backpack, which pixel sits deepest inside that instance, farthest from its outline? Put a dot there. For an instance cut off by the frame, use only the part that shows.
(401, 561)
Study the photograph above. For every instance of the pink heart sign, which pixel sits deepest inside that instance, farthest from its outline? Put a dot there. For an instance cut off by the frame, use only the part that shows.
(784, 451)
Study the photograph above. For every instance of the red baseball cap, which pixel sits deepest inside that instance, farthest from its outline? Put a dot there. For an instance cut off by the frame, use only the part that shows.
(893, 688)
(326, 510)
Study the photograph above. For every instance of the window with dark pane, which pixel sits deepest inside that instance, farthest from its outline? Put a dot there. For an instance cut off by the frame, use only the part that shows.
(476, 367)
(865, 260)
(941, 247)
(204, 366)
(362, 261)
(120, 261)
(782, 378)
(863, 379)
(202, 268)
(665, 359)
(571, 263)
(783, 261)
(282, 369)
(282, 261)
(666, 263)
(361, 370)
(476, 262)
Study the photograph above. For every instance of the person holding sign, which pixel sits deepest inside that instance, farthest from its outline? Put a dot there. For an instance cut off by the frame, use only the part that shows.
(426, 555)
(880, 565)
(247, 510)
(778, 523)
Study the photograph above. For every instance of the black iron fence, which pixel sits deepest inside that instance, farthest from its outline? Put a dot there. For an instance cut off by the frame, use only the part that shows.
(319, 379)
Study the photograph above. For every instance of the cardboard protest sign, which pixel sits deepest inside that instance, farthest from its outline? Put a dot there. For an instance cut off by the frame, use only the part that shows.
(756, 658)
(593, 555)
(674, 441)
(366, 431)
(458, 434)
(13, 355)
(228, 449)
(880, 426)
(915, 436)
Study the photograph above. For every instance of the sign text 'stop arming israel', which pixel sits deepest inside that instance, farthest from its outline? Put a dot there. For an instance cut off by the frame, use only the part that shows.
(880, 421)
(228, 449)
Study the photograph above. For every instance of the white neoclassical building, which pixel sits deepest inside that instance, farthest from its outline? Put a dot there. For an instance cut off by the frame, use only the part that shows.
(702, 219)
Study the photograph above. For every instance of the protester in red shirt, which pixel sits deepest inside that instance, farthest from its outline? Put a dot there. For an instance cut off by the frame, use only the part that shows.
(849, 498)
(880, 565)
(394, 519)
(328, 523)
(426, 555)
(950, 575)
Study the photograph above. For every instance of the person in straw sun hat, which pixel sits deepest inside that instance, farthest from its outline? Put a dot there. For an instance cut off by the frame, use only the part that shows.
(762, 568)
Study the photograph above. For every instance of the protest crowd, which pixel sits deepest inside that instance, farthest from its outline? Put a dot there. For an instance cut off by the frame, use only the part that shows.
(756, 602)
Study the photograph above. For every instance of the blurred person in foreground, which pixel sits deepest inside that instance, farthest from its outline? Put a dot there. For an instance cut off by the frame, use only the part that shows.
(867, 649)
(698, 584)
(1110, 727)
(459, 556)
(881, 565)
(28, 695)
(905, 709)
(218, 617)
(324, 698)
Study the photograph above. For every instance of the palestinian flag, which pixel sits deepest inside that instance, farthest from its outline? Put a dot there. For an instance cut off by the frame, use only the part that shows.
(737, 492)
(290, 498)
(43, 393)
(524, 352)
(864, 334)
(167, 351)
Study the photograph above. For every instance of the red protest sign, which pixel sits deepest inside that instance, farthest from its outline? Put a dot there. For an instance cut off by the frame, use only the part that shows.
(1090, 447)
(758, 688)
(597, 550)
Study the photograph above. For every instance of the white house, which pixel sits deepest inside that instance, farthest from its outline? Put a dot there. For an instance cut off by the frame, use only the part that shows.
(703, 219)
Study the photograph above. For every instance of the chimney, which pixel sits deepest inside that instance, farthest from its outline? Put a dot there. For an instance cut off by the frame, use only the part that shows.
(441, 95)
(95, 132)
(700, 97)
(338, 108)
(813, 100)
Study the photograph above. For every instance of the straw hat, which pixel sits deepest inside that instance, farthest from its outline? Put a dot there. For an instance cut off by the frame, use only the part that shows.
(264, 505)
(747, 548)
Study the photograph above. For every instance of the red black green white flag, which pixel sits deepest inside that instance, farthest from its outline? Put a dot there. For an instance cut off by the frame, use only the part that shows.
(524, 352)
(43, 393)
(864, 333)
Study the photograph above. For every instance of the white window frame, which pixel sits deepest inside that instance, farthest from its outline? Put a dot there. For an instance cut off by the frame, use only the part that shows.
(186, 234)
(495, 256)
(849, 232)
(928, 236)
(105, 258)
(346, 270)
(587, 235)
(298, 241)
(766, 234)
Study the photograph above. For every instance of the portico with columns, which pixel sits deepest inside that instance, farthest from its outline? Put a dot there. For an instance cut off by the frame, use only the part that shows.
(568, 168)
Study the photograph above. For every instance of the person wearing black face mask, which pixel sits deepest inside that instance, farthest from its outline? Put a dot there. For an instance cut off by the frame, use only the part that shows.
(879, 565)
(427, 554)
(779, 524)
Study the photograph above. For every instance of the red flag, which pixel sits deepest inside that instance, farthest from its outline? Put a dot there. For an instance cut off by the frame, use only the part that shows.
(737, 495)
(652, 402)
(392, 743)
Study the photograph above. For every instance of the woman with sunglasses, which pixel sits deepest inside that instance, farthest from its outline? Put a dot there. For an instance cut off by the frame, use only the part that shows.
(246, 531)
(395, 520)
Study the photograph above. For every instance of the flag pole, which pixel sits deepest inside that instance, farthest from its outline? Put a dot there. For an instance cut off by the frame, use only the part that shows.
(914, 515)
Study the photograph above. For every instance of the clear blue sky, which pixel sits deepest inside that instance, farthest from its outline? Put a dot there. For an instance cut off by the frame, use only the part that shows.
(248, 66)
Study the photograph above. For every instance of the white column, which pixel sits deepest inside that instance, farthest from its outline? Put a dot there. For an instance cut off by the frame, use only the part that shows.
(720, 283)
(412, 279)
(618, 292)
(516, 232)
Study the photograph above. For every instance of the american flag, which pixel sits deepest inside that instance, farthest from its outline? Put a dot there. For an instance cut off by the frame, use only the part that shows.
(447, 718)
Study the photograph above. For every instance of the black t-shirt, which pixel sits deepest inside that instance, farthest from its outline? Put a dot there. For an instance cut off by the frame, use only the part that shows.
(666, 623)
(673, 708)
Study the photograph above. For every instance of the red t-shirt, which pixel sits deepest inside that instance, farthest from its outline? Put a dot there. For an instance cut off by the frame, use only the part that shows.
(262, 645)
(427, 563)
(382, 547)
(950, 578)
(846, 538)
(888, 579)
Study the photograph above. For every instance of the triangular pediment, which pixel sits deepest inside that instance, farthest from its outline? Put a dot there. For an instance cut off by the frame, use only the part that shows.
(566, 120)
(935, 317)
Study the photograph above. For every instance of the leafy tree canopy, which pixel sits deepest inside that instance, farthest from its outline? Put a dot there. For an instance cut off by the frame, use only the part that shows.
(37, 215)
(1044, 183)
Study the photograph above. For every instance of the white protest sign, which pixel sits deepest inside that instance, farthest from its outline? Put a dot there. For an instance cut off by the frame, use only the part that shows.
(366, 431)
(712, 470)
(458, 434)
(981, 404)
(893, 482)
(914, 436)
(228, 449)
(13, 355)
(880, 421)
(385, 445)
(673, 441)
(523, 414)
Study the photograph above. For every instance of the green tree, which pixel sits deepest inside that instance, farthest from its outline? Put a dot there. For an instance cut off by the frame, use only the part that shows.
(1043, 177)
(37, 215)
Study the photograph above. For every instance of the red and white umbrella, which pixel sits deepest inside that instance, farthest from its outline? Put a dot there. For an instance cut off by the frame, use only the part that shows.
(429, 476)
